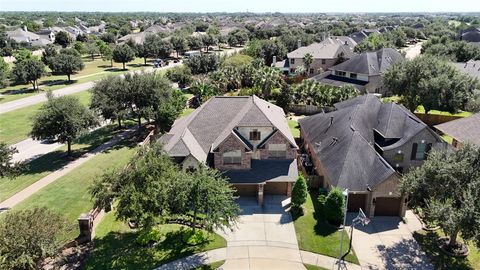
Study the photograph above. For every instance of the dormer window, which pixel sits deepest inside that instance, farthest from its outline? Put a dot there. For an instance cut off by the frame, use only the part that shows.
(292, 61)
(255, 135)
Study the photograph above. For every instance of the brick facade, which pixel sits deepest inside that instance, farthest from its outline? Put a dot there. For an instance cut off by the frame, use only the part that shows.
(277, 138)
(232, 143)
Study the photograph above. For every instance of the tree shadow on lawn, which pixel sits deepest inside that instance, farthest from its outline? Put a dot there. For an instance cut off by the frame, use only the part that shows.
(120, 251)
(115, 69)
(57, 82)
(405, 254)
(322, 227)
(429, 244)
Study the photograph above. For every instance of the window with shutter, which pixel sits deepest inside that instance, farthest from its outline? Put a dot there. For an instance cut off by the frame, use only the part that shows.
(255, 135)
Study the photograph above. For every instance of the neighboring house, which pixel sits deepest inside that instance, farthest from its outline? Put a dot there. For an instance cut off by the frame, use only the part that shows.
(364, 146)
(471, 34)
(471, 68)
(363, 71)
(22, 35)
(325, 54)
(463, 130)
(361, 35)
(247, 138)
(139, 37)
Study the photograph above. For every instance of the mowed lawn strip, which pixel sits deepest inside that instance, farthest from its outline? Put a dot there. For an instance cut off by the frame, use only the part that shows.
(93, 70)
(116, 248)
(46, 164)
(69, 194)
(16, 125)
(314, 234)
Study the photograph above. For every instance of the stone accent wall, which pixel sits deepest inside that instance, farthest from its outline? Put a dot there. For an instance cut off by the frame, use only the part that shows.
(278, 138)
(316, 65)
(232, 143)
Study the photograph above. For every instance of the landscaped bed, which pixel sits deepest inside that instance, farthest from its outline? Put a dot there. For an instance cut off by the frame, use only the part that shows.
(429, 242)
(116, 247)
(316, 235)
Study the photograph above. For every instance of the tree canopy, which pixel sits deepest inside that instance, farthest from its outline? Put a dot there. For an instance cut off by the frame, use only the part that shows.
(63, 39)
(62, 118)
(67, 62)
(431, 82)
(151, 189)
(28, 71)
(446, 186)
(123, 54)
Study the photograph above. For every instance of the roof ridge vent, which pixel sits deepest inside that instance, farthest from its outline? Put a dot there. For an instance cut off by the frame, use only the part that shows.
(334, 141)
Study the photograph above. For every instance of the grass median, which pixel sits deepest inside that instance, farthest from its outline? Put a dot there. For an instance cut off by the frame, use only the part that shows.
(16, 125)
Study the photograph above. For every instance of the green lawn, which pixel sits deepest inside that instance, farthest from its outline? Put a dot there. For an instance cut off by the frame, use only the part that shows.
(428, 241)
(313, 267)
(69, 194)
(115, 247)
(314, 234)
(420, 109)
(447, 138)
(294, 128)
(93, 70)
(16, 125)
(46, 164)
(186, 112)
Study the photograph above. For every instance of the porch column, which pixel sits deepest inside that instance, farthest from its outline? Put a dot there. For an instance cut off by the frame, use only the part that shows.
(289, 189)
(260, 194)
(370, 211)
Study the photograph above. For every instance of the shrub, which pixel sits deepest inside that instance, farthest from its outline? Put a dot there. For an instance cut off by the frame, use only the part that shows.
(194, 237)
(181, 75)
(149, 236)
(248, 91)
(299, 192)
(334, 207)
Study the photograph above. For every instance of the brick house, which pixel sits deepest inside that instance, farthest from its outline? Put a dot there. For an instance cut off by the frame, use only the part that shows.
(365, 146)
(247, 138)
(325, 54)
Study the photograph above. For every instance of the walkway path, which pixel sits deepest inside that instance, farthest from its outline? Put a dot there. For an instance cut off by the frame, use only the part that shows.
(264, 239)
(413, 51)
(28, 191)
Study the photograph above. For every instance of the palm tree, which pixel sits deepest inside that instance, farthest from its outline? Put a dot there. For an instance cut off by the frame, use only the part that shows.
(202, 90)
(307, 61)
(268, 79)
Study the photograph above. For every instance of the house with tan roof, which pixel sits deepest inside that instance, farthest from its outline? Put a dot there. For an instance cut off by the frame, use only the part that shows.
(246, 138)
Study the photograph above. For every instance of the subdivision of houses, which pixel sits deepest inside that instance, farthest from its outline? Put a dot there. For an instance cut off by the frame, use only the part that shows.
(363, 71)
(22, 35)
(463, 130)
(471, 35)
(364, 146)
(247, 138)
(325, 54)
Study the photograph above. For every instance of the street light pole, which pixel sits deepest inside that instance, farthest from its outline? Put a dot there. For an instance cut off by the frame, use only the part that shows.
(345, 193)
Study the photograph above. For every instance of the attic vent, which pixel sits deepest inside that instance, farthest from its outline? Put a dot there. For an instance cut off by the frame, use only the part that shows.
(334, 141)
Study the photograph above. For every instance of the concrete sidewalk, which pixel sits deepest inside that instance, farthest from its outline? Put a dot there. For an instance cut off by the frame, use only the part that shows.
(33, 188)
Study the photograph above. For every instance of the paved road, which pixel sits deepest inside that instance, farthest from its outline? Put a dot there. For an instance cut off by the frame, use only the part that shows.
(28, 191)
(30, 149)
(413, 51)
(32, 100)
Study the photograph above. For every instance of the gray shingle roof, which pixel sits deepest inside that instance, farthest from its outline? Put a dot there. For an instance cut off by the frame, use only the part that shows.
(271, 170)
(344, 140)
(208, 126)
(463, 130)
(371, 63)
(471, 68)
(317, 50)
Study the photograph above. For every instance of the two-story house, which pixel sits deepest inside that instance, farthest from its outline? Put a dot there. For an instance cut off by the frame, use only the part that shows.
(247, 138)
(365, 146)
(363, 71)
(325, 54)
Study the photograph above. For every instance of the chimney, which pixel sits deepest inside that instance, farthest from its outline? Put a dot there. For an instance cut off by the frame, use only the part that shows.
(346, 42)
(331, 120)
(274, 60)
(324, 36)
(25, 28)
(299, 43)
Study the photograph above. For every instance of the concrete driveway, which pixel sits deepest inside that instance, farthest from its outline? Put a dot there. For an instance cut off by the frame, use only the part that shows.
(387, 243)
(264, 238)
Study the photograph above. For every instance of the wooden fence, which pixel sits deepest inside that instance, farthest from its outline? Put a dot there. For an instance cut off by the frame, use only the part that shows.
(436, 119)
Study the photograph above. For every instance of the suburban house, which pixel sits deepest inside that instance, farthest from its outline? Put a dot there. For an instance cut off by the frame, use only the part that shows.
(364, 146)
(463, 130)
(363, 71)
(363, 34)
(327, 53)
(471, 34)
(471, 68)
(22, 35)
(247, 138)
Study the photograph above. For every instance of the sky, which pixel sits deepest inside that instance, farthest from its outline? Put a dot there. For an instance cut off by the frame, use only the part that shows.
(285, 6)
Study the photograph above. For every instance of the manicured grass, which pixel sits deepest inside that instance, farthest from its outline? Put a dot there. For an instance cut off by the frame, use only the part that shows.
(211, 266)
(447, 138)
(186, 112)
(16, 125)
(314, 234)
(420, 109)
(313, 267)
(69, 194)
(46, 164)
(115, 247)
(93, 70)
(429, 243)
(294, 128)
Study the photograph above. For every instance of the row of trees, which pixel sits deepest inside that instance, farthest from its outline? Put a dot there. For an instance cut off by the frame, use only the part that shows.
(450, 49)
